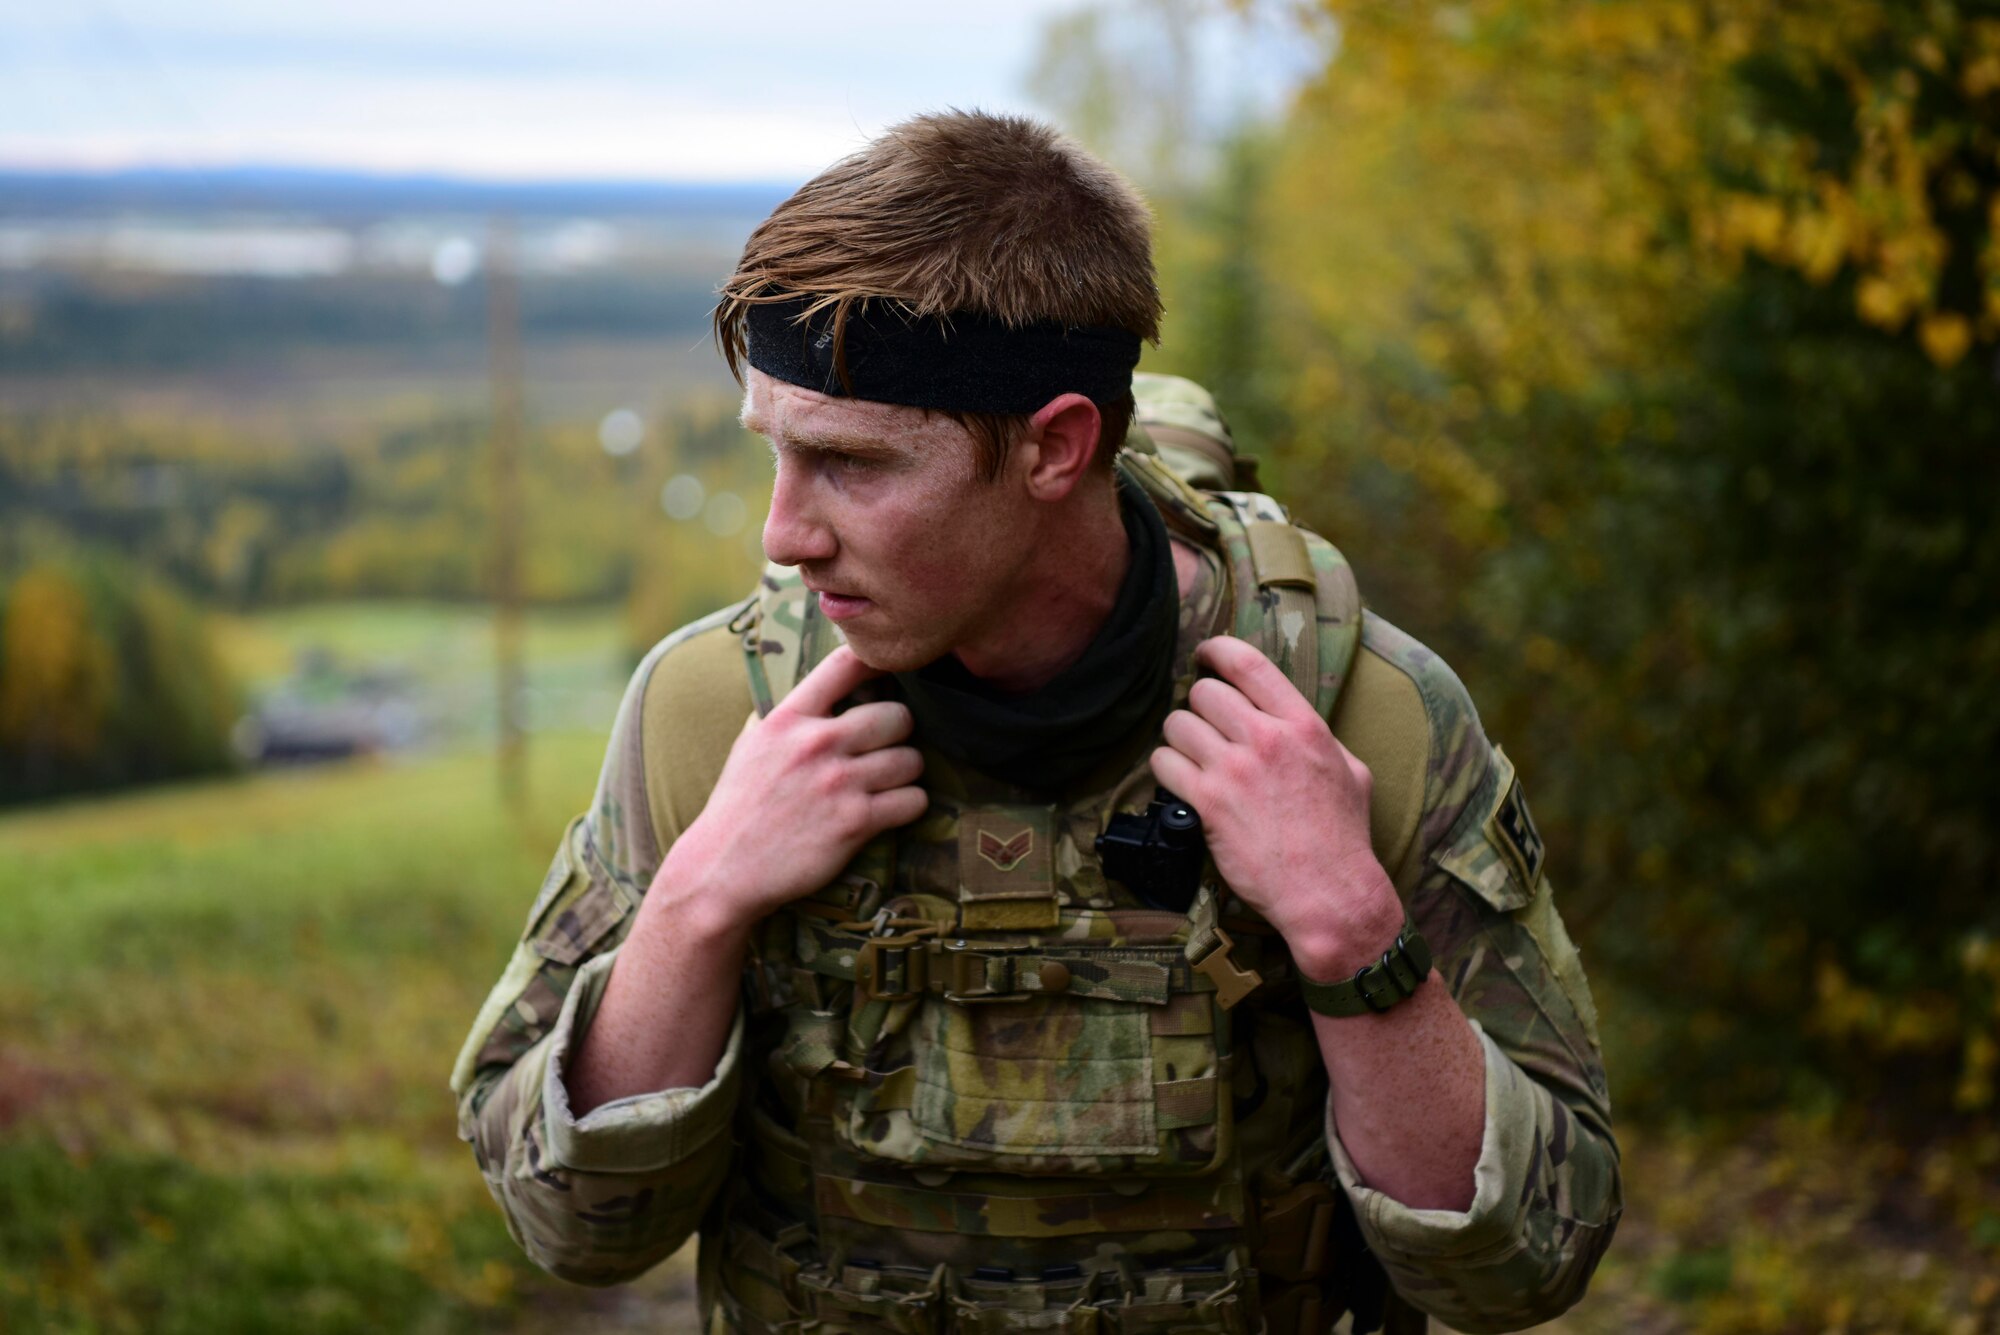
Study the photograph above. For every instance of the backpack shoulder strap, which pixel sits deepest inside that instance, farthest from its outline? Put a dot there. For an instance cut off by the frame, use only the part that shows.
(784, 636)
(1295, 595)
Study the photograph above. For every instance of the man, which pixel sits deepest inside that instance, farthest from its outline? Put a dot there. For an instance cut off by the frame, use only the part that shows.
(855, 989)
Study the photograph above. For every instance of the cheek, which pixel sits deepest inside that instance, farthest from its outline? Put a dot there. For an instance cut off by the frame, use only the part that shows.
(939, 562)
(937, 539)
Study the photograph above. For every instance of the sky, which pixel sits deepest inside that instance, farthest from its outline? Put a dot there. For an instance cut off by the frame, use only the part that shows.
(509, 89)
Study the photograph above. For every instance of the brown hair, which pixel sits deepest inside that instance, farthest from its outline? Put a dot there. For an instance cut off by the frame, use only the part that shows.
(960, 211)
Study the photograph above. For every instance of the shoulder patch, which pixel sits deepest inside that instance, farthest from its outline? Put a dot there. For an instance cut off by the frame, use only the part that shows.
(1480, 853)
(1512, 830)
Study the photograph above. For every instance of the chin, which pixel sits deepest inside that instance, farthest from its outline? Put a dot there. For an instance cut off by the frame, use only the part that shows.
(890, 655)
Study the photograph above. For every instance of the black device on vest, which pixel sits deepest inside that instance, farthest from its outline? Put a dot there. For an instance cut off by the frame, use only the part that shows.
(1157, 854)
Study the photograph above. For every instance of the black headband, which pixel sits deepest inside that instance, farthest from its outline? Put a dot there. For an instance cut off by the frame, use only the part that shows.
(964, 362)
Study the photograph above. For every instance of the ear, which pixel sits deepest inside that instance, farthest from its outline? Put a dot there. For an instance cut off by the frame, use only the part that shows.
(1060, 442)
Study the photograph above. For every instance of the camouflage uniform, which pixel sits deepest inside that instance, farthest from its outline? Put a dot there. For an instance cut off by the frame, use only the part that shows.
(974, 1086)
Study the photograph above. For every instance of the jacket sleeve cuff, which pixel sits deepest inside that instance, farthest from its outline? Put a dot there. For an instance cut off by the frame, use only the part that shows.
(644, 1132)
(1494, 1224)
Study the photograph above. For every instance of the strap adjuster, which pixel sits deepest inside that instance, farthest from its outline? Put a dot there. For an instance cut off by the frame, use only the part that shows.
(895, 968)
(971, 976)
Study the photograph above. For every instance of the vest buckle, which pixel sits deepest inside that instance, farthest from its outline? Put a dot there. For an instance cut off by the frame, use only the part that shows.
(896, 968)
(1232, 983)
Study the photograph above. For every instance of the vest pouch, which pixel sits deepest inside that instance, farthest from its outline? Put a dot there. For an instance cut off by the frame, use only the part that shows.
(1058, 1055)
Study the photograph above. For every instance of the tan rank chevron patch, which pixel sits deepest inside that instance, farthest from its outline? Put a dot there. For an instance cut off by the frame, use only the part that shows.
(1006, 868)
(1006, 855)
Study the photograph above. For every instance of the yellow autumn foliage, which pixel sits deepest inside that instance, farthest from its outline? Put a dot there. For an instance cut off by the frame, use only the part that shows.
(1558, 178)
(57, 675)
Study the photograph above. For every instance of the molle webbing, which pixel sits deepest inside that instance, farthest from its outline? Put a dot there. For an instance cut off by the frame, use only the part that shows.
(921, 959)
(1064, 1209)
(1294, 593)
(1176, 1103)
(1184, 508)
(774, 1285)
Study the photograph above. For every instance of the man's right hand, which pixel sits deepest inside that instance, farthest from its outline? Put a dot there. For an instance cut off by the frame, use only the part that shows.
(803, 789)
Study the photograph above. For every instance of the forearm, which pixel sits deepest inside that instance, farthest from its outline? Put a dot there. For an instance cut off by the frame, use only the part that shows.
(667, 1007)
(1409, 1097)
(1545, 1208)
(1408, 1084)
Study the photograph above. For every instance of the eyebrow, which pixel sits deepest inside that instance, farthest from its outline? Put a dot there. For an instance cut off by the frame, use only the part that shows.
(829, 442)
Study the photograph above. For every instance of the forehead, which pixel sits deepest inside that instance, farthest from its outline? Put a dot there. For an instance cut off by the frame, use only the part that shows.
(788, 414)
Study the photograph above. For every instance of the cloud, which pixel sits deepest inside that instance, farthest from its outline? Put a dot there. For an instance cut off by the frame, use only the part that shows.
(502, 88)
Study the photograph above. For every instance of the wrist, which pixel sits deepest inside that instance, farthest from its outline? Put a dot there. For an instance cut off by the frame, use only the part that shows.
(692, 901)
(1347, 931)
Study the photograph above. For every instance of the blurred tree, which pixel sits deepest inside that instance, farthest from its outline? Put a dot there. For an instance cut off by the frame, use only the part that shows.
(56, 673)
(1664, 313)
(107, 677)
(1125, 80)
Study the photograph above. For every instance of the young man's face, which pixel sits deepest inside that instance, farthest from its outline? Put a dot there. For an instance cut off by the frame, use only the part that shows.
(884, 510)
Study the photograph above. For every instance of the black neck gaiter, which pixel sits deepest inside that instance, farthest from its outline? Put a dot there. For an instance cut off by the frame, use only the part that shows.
(1046, 738)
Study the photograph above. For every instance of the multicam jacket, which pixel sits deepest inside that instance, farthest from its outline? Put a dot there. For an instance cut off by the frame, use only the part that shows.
(977, 1090)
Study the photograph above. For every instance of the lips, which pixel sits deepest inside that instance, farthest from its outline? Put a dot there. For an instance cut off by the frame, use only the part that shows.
(840, 606)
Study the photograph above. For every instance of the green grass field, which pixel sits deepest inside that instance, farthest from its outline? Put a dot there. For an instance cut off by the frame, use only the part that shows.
(228, 1020)
(231, 1009)
(574, 657)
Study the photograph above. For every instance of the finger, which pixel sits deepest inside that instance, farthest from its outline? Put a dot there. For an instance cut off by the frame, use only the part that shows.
(898, 806)
(1262, 684)
(1223, 707)
(1194, 737)
(873, 726)
(828, 684)
(1179, 775)
(891, 767)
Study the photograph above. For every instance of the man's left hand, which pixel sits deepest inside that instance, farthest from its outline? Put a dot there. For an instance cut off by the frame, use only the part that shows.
(1285, 809)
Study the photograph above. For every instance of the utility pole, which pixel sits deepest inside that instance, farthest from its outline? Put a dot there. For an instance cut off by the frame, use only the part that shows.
(503, 331)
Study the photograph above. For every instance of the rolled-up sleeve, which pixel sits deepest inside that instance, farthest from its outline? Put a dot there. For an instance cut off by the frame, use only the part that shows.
(1513, 1258)
(641, 1134)
(601, 1198)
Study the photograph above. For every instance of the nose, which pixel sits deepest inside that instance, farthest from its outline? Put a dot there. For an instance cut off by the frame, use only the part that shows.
(795, 532)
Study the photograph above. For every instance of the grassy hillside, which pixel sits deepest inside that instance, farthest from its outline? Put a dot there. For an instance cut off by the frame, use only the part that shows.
(227, 1027)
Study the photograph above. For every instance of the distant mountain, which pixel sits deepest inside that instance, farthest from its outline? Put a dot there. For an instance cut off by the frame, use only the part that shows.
(351, 195)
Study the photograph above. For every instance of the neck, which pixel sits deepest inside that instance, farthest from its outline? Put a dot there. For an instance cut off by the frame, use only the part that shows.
(1064, 594)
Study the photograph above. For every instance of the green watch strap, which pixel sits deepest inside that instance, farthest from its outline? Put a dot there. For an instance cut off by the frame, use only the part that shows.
(1376, 987)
